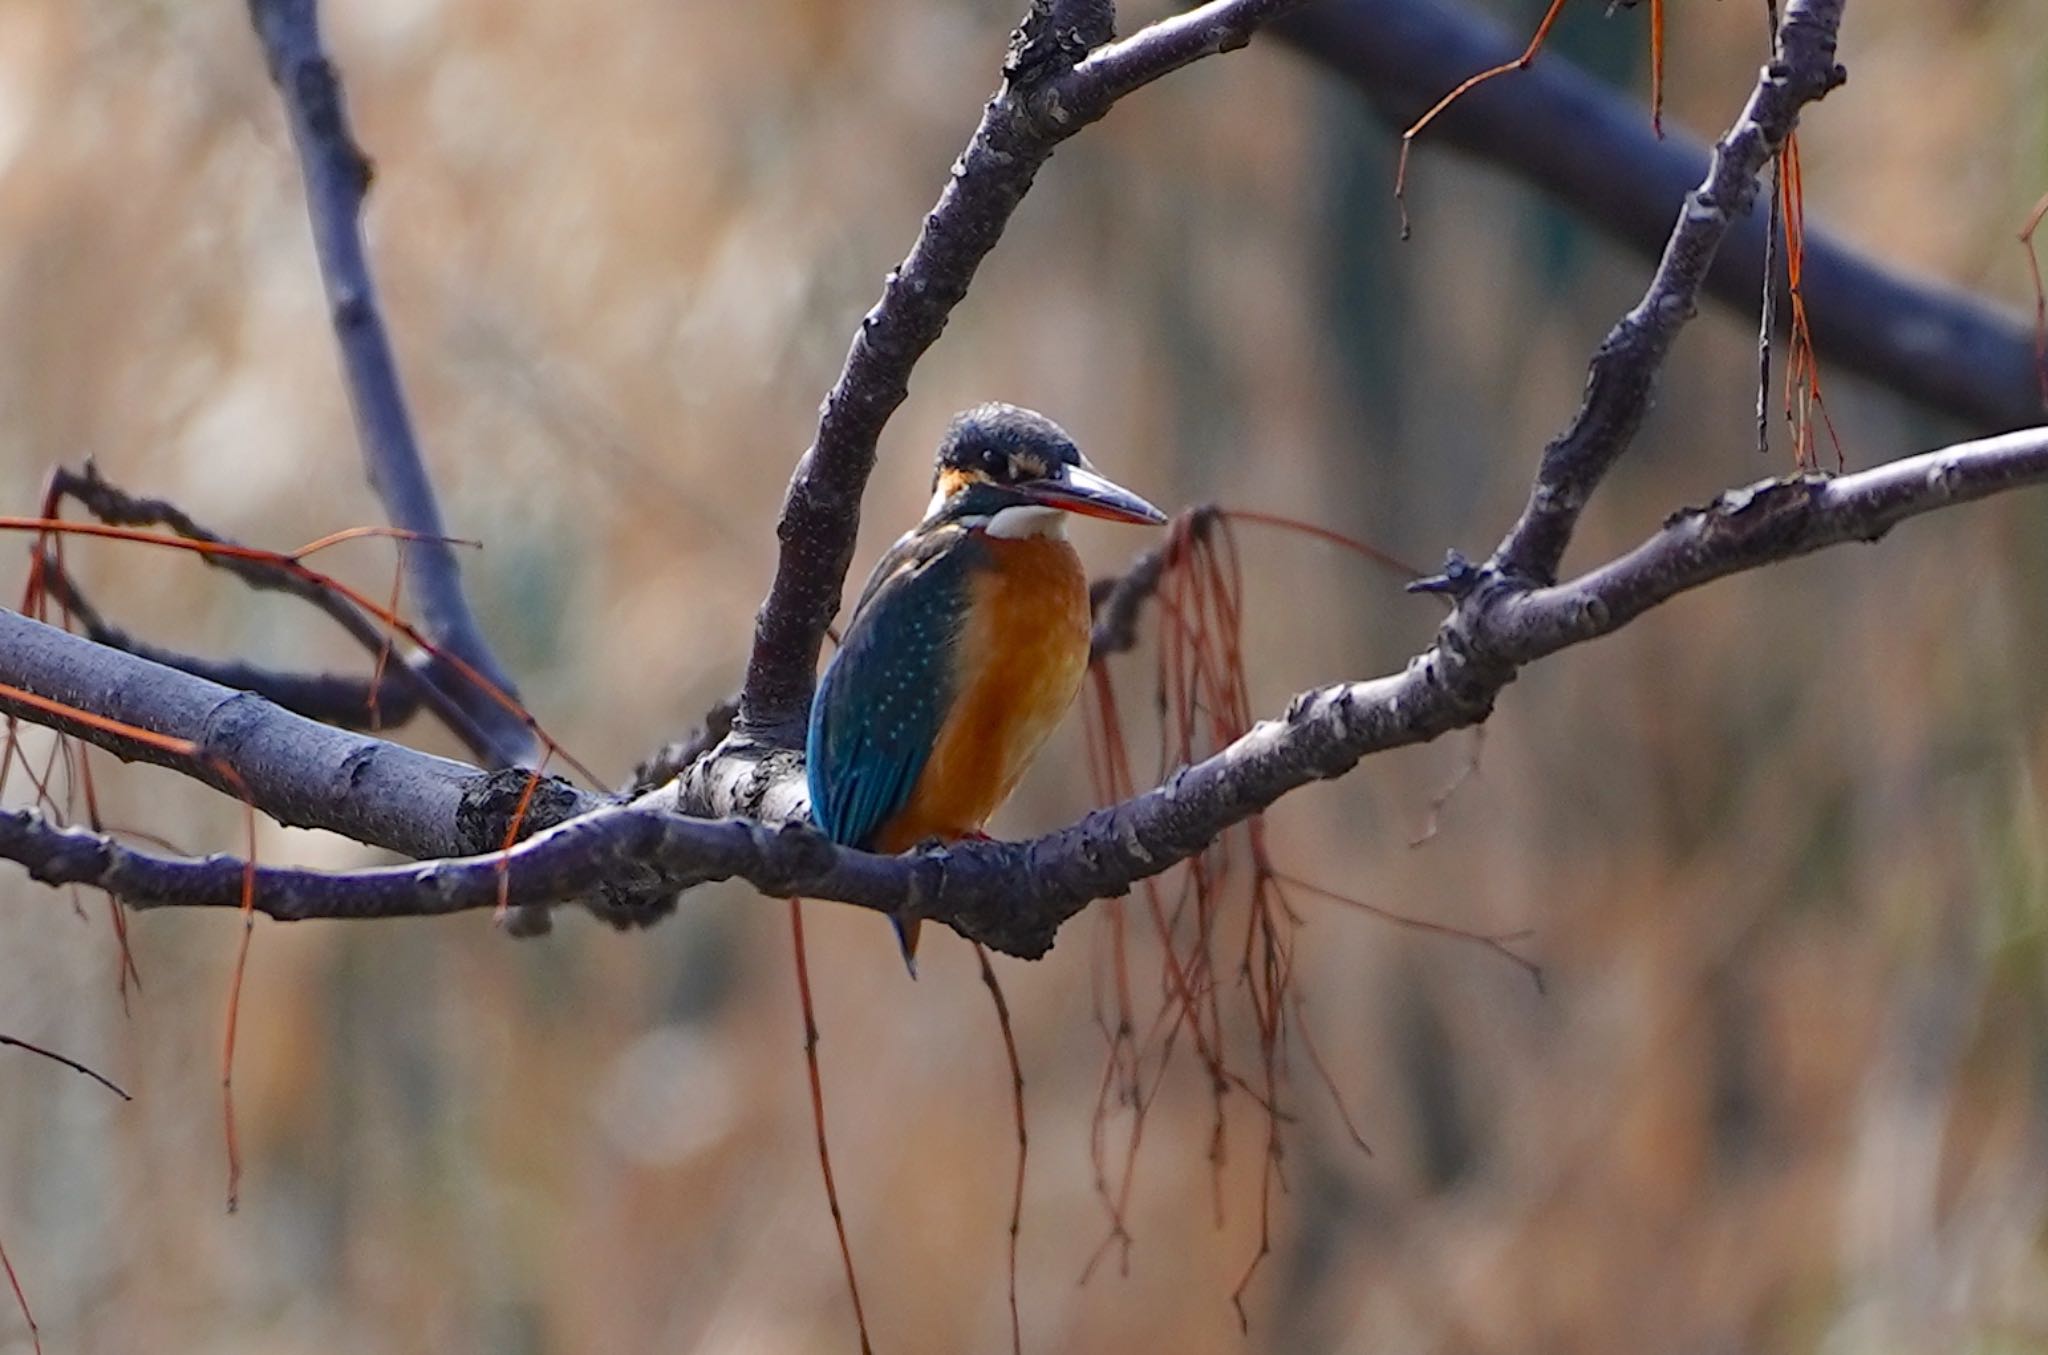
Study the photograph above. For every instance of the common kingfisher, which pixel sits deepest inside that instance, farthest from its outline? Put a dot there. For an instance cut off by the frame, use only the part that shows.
(967, 645)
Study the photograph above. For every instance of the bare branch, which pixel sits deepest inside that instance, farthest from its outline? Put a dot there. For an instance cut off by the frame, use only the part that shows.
(1046, 96)
(337, 176)
(1592, 148)
(1013, 896)
(338, 699)
(298, 771)
(1618, 389)
(760, 777)
(73, 1064)
(406, 684)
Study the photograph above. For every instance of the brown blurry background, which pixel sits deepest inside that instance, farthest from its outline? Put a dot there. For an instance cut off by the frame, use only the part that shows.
(1780, 843)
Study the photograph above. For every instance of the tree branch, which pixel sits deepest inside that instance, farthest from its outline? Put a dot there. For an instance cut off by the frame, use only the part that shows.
(1014, 896)
(337, 176)
(1047, 95)
(1592, 148)
(758, 777)
(1618, 388)
(343, 700)
(406, 683)
(298, 771)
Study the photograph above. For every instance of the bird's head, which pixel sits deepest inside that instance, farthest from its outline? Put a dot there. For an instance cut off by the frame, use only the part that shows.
(1017, 473)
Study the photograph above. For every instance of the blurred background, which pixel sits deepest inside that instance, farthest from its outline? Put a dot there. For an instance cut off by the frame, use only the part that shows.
(1779, 844)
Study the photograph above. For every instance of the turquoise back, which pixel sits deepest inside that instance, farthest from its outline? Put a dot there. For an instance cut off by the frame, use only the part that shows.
(886, 694)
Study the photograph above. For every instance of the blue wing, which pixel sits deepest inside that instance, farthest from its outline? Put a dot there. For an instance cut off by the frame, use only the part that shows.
(886, 693)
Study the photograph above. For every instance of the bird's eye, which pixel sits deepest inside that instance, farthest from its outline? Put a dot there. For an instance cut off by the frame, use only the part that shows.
(992, 461)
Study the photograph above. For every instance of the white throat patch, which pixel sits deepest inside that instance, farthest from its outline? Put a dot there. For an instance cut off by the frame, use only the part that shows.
(1024, 520)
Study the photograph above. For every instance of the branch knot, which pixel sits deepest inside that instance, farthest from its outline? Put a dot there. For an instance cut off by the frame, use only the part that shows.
(1054, 36)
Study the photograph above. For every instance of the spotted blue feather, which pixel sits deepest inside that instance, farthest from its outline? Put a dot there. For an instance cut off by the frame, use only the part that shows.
(886, 694)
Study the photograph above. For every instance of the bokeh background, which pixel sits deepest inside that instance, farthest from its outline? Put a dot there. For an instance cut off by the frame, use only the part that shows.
(1780, 844)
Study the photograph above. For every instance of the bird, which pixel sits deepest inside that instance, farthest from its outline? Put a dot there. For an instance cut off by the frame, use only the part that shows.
(967, 645)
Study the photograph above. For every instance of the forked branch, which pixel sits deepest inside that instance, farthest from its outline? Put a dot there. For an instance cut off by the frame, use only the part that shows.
(1625, 368)
(401, 685)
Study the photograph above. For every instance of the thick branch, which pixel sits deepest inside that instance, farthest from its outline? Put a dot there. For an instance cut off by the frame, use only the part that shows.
(1761, 524)
(1592, 148)
(1046, 97)
(1015, 896)
(337, 175)
(296, 770)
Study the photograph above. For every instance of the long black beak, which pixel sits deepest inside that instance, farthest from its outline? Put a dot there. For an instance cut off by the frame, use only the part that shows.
(1080, 490)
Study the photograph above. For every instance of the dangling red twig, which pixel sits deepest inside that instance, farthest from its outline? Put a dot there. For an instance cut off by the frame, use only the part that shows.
(803, 988)
(995, 992)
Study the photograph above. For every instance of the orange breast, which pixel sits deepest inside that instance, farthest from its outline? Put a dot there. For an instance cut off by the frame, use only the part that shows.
(1024, 651)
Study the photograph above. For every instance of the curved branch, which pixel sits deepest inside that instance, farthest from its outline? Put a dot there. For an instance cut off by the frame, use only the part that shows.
(1014, 896)
(1592, 148)
(1049, 92)
(337, 176)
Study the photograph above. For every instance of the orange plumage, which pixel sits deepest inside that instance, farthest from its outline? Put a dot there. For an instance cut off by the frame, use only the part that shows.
(1024, 649)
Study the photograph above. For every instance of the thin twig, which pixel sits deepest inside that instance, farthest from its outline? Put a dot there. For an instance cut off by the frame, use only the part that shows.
(1468, 767)
(35, 1333)
(1459, 91)
(339, 699)
(1002, 1005)
(1117, 602)
(425, 682)
(1767, 322)
(73, 1064)
(810, 1016)
(2034, 219)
